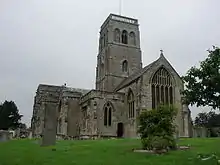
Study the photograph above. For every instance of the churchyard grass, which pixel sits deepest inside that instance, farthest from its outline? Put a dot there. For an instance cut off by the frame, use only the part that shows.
(104, 152)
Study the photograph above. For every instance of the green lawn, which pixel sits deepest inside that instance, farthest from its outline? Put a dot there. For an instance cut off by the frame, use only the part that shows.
(103, 152)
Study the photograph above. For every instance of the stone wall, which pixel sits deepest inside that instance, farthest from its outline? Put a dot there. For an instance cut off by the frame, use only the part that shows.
(64, 98)
(200, 132)
(141, 87)
(92, 106)
(81, 111)
(131, 125)
(44, 94)
(112, 53)
(178, 86)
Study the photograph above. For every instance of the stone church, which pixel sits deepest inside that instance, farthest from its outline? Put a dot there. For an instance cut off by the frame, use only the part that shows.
(123, 89)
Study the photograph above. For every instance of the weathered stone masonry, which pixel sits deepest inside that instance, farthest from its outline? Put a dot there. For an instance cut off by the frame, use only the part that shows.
(123, 89)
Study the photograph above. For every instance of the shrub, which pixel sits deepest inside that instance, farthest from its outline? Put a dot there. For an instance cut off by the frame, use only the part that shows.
(157, 129)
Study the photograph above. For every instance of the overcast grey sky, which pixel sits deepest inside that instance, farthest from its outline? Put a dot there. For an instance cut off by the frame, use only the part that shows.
(56, 41)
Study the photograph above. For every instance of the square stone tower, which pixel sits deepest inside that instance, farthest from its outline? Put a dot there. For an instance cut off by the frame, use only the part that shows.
(119, 52)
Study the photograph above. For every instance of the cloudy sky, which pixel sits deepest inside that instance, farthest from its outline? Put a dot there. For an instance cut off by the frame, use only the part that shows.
(56, 41)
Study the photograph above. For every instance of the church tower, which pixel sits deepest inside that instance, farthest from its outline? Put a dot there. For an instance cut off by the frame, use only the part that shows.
(119, 53)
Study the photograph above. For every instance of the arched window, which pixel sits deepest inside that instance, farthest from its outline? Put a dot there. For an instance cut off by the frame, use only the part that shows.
(162, 88)
(132, 38)
(59, 126)
(125, 66)
(108, 114)
(124, 37)
(105, 116)
(131, 112)
(117, 35)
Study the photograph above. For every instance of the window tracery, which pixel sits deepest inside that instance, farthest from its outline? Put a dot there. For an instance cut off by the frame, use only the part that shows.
(131, 111)
(162, 88)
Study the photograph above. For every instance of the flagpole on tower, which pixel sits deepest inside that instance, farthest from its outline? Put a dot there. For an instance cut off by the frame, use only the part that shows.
(120, 6)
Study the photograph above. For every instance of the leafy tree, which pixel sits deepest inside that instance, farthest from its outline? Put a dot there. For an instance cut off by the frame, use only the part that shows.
(203, 83)
(208, 120)
(9, 116)
(157, 129)
(201, 120)
(23, 126)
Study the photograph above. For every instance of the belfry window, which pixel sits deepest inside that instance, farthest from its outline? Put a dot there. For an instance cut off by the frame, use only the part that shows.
(162, 88)
(124, 37)
(132, 38)
(108, 114)
(117, 35)
(131, 111)
(125, 66)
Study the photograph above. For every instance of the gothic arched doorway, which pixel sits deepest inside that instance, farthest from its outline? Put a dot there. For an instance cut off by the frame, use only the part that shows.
(120, 130)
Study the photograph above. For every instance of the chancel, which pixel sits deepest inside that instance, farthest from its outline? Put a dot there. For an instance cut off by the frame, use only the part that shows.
(123, 89)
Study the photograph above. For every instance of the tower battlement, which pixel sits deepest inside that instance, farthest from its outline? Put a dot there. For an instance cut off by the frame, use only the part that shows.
(120, 18)
(119, 51)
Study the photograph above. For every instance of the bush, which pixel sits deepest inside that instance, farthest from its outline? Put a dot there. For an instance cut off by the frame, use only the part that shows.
(157, 128)
(159, 143)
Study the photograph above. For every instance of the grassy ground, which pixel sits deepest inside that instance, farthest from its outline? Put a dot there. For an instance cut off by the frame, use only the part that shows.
(103, 152)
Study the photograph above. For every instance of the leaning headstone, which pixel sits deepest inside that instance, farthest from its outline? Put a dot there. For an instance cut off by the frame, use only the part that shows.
(50, 126)
(4, 136)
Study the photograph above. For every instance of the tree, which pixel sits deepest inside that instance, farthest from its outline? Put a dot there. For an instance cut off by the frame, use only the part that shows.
(201, 120)
(209, 120)
(157, 129)
(203, 83)
(23, 126)
(9, 116)
(214, 119)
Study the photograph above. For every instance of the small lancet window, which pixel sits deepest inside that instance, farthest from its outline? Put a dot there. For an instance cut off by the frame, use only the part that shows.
(125, 66)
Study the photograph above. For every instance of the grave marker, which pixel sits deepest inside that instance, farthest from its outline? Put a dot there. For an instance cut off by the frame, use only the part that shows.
(50, 126)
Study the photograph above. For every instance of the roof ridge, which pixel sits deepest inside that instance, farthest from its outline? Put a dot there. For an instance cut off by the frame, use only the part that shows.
(134, 76)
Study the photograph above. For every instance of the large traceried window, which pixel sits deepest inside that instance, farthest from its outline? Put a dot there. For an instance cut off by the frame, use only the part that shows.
(108, 114)
(162, 88)
(131, 111)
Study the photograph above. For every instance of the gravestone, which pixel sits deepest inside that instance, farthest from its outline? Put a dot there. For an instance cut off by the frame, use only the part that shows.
(4, 135)
(30, 135)
(50, 125)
